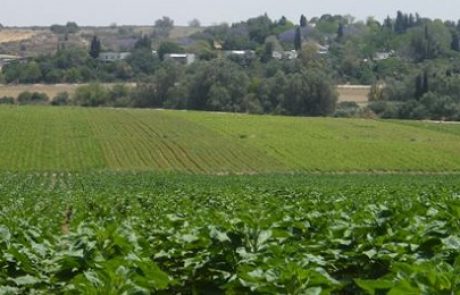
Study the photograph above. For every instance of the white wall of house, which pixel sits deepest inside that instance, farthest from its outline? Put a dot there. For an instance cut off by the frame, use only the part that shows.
(184, 58)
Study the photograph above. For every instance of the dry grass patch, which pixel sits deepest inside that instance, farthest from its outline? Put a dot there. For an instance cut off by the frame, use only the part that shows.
(7, 36)
(355, 93)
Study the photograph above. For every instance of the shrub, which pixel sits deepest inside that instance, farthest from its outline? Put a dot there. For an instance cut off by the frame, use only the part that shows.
(91, 95)
(61, 99)
(385, 109)
(32, 98)
(347, 109)
(7, 100)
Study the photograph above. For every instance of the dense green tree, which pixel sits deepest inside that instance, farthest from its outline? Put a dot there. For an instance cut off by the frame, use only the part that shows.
(73, 75)
(69, 28)
(93, 95)
(194, 23)
(124, 71)
(272, 93)
(163, 27)
(310, 92)
(71, 57)
(143, 62)
(218, 85)
(388, 23)
(72, 27)
(307, 92)
(144, 42)
(429, 42)
(203, 49)
(238, 38)
(259, 28)
(31, 73)
(120, 96)
(168, 47)
(153, 91)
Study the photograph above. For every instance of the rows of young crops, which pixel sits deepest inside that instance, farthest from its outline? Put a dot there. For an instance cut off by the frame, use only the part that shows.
(325, 144)
(46, 139)
(145, 233)
(153, 140)
(78, 139)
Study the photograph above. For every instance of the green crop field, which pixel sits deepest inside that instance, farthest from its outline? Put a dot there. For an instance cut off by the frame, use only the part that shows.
(127, 233)
(78, 139)
(118, 201)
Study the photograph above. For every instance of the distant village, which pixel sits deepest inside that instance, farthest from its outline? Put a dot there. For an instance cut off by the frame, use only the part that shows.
(189, 58)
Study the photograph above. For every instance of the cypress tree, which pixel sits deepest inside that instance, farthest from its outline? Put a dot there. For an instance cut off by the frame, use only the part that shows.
(95, 48)
(399, 23)
(340, 31)
(418, 86)
(298, 39)
(426, 86)
(388, 23)
(455, 45)
(303, 21)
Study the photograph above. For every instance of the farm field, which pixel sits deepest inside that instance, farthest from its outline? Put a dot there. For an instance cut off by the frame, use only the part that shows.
(325, 144)
(78, 139)
(114, 233)
(126, 201)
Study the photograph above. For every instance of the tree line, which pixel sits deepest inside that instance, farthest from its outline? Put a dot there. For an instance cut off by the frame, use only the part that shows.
(288, 88)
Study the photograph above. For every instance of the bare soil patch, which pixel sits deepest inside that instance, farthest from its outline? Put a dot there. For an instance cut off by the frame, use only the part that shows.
(355, 93)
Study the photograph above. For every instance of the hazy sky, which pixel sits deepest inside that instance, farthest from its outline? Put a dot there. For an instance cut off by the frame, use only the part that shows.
(145, 12)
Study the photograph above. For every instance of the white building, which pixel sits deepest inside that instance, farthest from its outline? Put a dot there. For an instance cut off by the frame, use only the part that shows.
(383, 55)
(183, 58)
(244, 53)
(289, 55)
(323, 49)
(7, 58)
(113, 56)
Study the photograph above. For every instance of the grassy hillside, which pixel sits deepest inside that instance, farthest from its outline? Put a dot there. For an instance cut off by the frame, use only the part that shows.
(76, 139)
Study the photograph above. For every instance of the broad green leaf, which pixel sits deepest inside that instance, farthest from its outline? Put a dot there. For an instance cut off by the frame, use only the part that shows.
(5, 234)
(313, 291)
(403, 287)
(26, 280)
(371, 286)
(452, 243)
